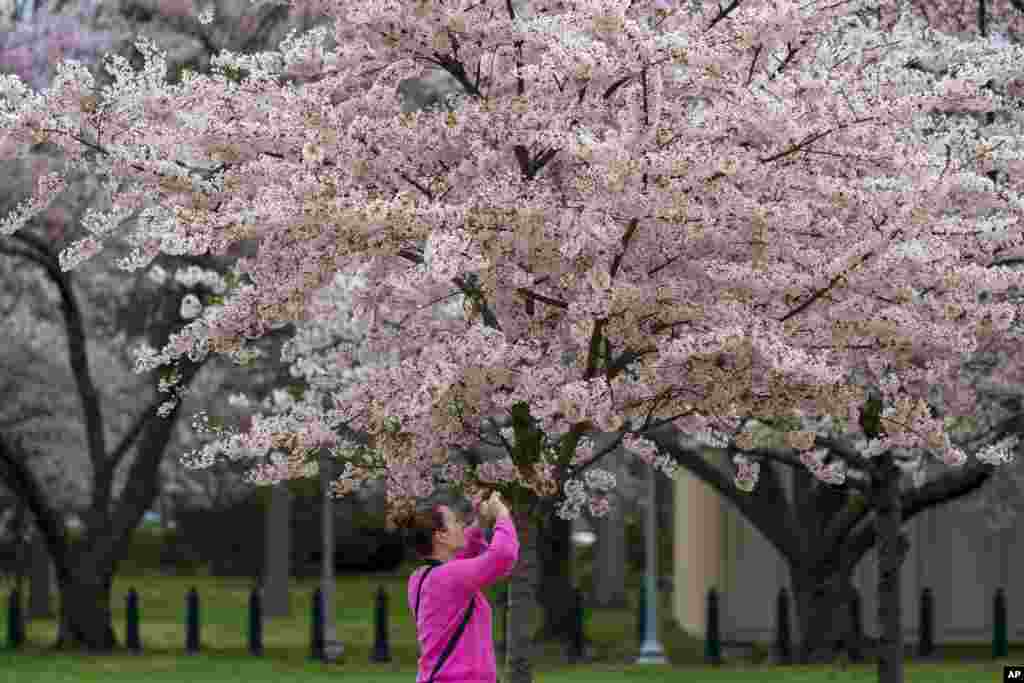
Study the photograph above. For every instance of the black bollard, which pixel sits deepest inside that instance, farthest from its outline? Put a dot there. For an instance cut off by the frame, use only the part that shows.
(131, 622)
(578, 636)
(381, 651)
(712, 640)
(855, 646)
(15, 623)
(641, 616)
(1000, 646)
(926, 642)
(783, 642)
(192, 622)
(255, 623)
(317, 644)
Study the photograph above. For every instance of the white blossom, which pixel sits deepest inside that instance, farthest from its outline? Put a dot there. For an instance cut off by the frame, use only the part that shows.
(157, 274)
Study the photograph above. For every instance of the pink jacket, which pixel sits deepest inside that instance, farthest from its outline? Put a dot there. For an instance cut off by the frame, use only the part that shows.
(445, 598)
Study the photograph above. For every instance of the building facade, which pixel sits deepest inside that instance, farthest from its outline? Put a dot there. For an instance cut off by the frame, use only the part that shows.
(952, 551)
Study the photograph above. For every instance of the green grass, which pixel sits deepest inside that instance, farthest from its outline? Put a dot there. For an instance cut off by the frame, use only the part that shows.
(220, 668)
(223, 619)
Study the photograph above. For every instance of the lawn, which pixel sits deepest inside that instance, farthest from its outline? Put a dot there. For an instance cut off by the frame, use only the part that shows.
(223, 618)
(222, 667)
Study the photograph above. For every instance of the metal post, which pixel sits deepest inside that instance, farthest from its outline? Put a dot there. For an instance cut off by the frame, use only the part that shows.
(333, 648)
(15, 625)
(1000, 646)
(316, 624)
(926, 646)
(712, 638)
(192, 622)
(381, 648)
(783, 649)
(131, 627)
(651, 651)
(255, 622)
(577, 645)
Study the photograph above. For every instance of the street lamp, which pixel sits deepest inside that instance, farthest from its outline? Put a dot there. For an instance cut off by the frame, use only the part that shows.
(584, 539)
(651, 651)
(333, 648)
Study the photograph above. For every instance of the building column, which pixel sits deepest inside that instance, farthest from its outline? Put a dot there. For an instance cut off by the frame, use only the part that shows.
(698, 546)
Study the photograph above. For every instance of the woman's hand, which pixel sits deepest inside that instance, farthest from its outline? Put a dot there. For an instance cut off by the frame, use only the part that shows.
(483, 518)
(493, 508)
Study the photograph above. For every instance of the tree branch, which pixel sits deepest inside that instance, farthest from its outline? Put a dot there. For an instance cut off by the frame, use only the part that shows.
(148, 413)
(88, 395)
(557, 303)
(761, 507)
(18, 477)
(614, 444)
(723, 12)
(490, 320)
(953, 485)
(839, 529)
(152, 446)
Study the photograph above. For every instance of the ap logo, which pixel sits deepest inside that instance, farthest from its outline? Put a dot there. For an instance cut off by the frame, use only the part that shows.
(1013, 673)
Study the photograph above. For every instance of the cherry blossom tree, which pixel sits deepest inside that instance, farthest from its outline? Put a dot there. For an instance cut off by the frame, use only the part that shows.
(100, 314)
(655, 219)
(32, 43)
(1000, 129)
(998, 19)
(99, 398)
(823, 529)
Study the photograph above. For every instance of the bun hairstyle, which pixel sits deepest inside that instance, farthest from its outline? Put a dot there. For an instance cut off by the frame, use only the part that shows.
(420, 528)
(419, 521)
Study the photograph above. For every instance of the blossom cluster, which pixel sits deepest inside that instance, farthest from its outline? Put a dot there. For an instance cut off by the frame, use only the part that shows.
(642, 215)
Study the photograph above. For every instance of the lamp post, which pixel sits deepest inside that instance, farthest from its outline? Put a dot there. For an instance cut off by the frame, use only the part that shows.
(651, 651)
(333, 648)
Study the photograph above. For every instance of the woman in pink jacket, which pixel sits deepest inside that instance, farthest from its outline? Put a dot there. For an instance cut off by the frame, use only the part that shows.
(453, 618)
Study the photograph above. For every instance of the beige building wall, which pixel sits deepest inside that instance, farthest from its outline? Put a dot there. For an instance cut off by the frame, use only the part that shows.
(699, 540)
(952, 551)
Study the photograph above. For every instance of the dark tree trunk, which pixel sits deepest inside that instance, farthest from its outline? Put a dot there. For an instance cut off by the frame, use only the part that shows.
(823, 609)
(892, 548)
(85, 568)
(556, 588)
(18, 526)
(522, 602)
(277, 559)
(85, 617)
(41, 581)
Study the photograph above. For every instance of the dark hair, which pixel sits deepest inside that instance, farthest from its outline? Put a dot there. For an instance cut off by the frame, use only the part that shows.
(420, 529)
(419, 520)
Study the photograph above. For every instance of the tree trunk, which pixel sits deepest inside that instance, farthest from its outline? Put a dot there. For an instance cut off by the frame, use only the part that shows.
(892, 548)
(85, 568)
(556, 588)
(85, 615)
(18, 526)
(522, 602)
(823, 607)
(41, 580)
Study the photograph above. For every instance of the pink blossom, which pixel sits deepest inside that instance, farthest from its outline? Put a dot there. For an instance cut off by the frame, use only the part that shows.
(723, 233)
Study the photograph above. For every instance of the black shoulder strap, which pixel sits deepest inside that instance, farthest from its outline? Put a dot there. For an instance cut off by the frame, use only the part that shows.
(431, 566)
(450, 647)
